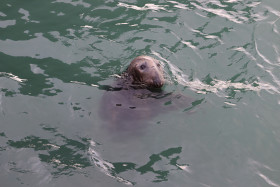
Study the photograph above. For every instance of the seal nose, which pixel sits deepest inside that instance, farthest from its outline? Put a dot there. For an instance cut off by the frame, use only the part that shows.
(158, 82)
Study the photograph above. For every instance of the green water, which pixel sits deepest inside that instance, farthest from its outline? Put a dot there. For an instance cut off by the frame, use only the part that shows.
(57, 57)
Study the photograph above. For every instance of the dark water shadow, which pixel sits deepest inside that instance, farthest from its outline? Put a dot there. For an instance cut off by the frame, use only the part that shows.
(39, 75)
(69, 156)
(171, 156)
(66, 156)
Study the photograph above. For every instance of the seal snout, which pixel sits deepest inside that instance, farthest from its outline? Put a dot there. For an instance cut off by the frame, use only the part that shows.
(158, 82)
(158, 85)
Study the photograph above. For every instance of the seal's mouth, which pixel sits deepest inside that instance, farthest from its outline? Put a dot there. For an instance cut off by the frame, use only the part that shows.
(156, 85)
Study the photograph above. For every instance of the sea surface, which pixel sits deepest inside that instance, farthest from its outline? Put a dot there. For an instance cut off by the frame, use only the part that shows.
(59, 57)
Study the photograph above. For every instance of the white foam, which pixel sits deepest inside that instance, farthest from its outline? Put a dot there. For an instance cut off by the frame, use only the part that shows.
(14, 77)
(241, 49)
(267, 180)
(230, 104)
(77, 82)
(184, 167)
(121, 24)
(207, 35)
(104, 166)
(148, 6)
(2, 14)
(222, 13)
(87, 26)
(262, 56)
(179, 5)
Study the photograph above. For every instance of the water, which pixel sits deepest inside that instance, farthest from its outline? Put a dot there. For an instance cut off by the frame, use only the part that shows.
(57, 57)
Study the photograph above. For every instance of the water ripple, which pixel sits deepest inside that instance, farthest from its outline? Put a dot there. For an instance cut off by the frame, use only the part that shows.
(147, 6)
(267, 180)
(241, 49)
(220, 12)
(7, 23)
(263, 57)
(216, 86)
(74, 3)
(13, 77)
(106, 167)
(257, 166)
(26, 15)
(179, 5)
(227, 10)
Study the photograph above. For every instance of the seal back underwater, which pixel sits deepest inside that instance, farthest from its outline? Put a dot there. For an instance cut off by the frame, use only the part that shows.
(138, 96)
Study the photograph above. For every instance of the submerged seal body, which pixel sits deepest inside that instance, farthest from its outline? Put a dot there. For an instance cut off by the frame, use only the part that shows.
(137, 97)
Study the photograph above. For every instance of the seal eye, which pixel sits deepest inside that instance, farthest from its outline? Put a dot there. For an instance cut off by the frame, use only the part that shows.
(142, 67)
(158, 65)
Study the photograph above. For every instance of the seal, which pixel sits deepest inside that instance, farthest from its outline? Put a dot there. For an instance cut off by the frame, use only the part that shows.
(137, 96)
(145, 71)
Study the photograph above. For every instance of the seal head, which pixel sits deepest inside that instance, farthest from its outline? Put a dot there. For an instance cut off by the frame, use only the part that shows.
(146, 71)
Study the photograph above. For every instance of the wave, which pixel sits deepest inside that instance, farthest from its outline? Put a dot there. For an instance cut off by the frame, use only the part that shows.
(104, 166)
(216, 85)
